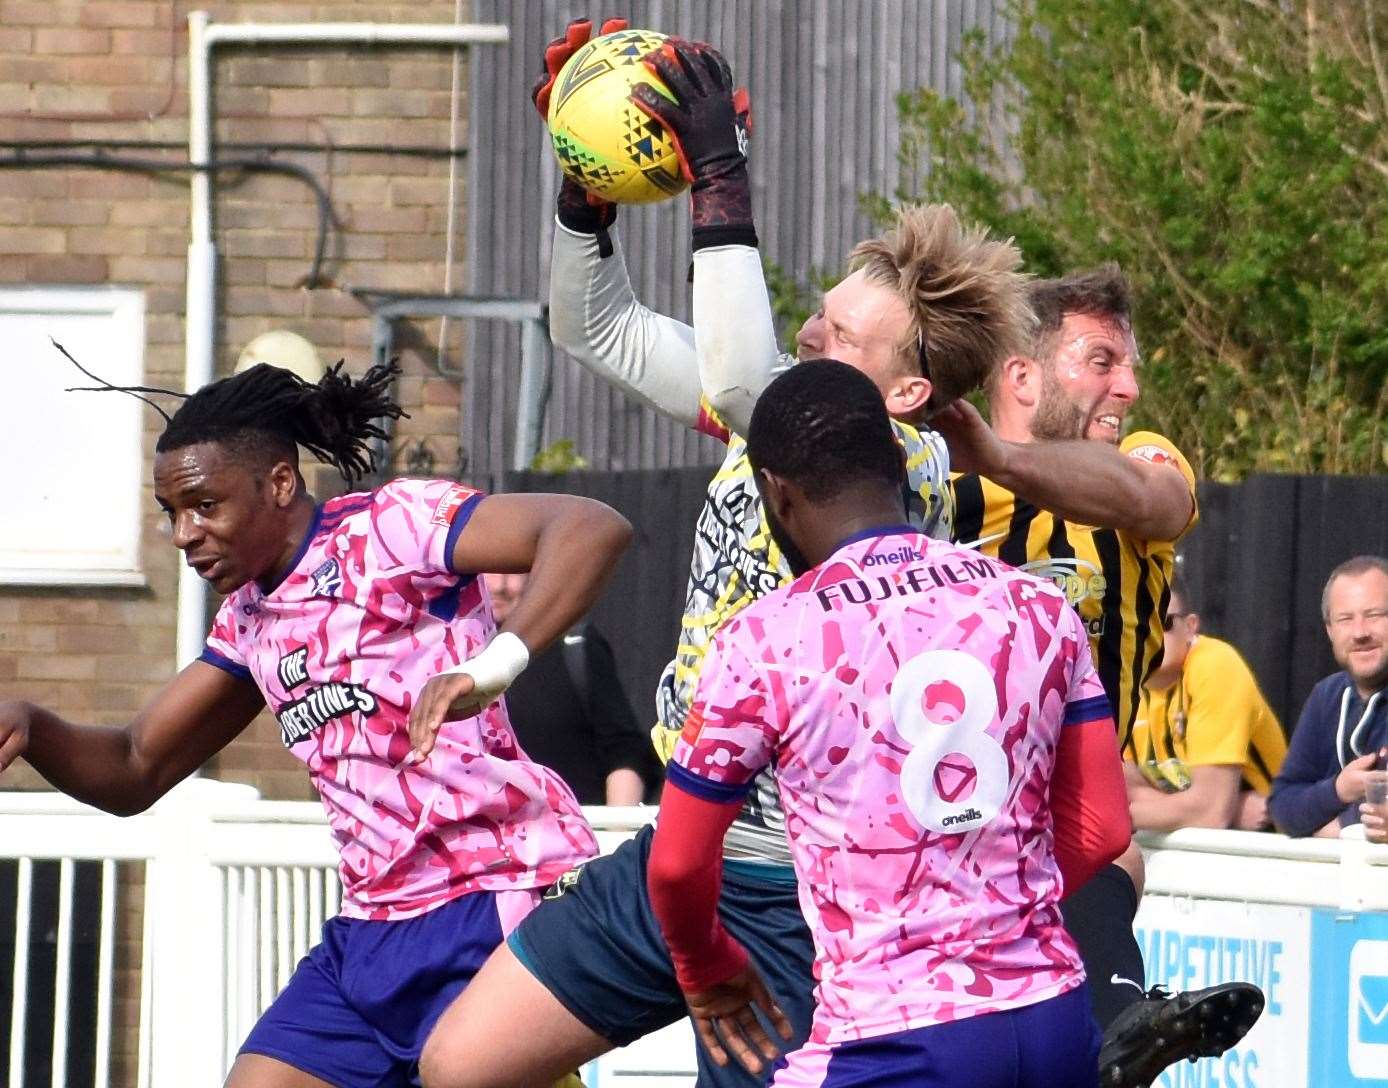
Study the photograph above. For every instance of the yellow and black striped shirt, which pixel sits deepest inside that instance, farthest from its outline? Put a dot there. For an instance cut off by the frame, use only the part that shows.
(1117, 583)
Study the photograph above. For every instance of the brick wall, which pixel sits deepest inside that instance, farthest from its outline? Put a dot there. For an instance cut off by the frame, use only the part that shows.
(117, 71)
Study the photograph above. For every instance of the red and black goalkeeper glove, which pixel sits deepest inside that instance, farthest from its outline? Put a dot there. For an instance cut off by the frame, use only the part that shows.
(709, 123)
(578, 209)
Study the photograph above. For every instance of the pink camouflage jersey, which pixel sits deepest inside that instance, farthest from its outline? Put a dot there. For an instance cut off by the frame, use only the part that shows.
(910, 695)
(369, 611)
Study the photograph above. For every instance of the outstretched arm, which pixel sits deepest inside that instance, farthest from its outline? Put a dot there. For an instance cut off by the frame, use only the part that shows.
(709, 379)
(125, 769)
(710, 124)
(734, 333)
(1087, 482)
(595, 317)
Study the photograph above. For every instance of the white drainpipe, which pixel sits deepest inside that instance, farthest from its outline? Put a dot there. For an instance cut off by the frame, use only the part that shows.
(201, 334)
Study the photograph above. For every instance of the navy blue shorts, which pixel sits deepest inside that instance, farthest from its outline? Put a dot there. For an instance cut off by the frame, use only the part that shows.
(596, 946)
(1052, 1044)
(361, 1004)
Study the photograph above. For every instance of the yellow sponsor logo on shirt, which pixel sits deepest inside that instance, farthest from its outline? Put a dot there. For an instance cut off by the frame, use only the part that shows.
(1078, 579)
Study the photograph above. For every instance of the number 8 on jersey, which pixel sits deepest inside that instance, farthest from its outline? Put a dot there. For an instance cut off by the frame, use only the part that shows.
(943, 702)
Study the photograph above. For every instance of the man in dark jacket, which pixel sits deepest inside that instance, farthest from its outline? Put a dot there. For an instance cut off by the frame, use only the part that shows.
(1343, 730)
(573, 716)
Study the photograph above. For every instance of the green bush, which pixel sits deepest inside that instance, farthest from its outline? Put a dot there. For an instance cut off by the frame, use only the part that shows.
(1232, 156)
(558, 457)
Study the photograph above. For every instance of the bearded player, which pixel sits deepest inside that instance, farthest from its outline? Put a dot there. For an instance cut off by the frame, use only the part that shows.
(1053, 488)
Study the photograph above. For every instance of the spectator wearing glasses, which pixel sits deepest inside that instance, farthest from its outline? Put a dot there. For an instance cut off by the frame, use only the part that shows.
(1343, 730)
(1205, 744)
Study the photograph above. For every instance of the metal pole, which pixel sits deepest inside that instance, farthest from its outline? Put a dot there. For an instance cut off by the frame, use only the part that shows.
(536, 370)
(359, 33)
(200, 329)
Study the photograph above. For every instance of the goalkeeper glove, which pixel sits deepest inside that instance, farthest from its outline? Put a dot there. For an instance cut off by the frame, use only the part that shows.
(578, 209)
(709, 124)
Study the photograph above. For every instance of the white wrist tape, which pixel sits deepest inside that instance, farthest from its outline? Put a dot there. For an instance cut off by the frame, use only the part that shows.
(497, 666)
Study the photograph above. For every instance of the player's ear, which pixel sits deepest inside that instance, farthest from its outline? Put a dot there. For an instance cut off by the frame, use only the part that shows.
(284, 484)
(774, 495)
(1019, 378)
(909, 397)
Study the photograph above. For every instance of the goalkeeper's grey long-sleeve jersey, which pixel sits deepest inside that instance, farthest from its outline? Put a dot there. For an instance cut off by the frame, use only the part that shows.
(708, 377)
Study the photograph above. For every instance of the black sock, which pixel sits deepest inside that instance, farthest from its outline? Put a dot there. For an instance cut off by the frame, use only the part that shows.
(1100, 918)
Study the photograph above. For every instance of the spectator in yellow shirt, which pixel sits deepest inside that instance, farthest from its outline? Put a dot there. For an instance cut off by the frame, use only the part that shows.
(1205, 744)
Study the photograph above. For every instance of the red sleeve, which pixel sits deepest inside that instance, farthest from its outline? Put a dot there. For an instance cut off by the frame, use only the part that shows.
(1089, 801)
(684, 877)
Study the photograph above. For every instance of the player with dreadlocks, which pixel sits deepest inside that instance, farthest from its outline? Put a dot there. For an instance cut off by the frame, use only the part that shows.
(360, 622)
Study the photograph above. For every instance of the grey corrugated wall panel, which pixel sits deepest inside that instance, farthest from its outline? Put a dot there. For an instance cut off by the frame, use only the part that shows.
(824, 75)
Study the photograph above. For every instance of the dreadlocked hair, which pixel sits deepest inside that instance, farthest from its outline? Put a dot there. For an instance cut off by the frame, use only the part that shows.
(964, 290)
(823, 425)
(267, 406)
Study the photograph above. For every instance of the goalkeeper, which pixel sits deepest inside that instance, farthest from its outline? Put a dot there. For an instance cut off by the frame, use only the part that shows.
(594, 973)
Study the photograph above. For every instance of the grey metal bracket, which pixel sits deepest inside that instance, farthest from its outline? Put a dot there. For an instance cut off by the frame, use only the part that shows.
(537, 361)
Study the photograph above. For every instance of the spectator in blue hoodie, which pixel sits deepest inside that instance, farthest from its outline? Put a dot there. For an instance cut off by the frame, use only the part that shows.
(1343, 730)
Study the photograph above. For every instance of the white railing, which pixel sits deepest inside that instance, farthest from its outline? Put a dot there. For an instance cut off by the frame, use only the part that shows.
(47, 828)
(236, 889)
(1346, 874)
(62, 972)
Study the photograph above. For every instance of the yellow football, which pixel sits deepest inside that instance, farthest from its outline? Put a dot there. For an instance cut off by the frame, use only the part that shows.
(602, 141)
